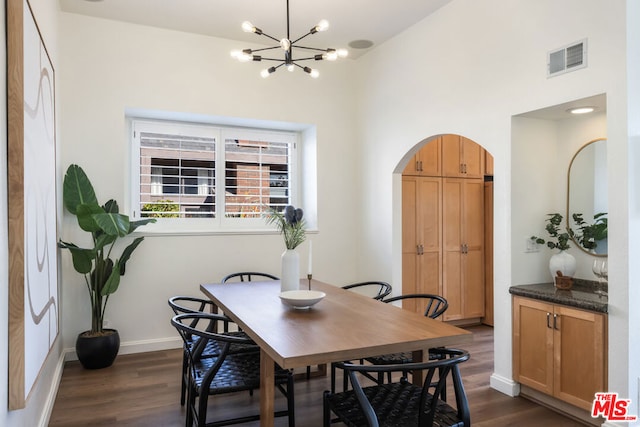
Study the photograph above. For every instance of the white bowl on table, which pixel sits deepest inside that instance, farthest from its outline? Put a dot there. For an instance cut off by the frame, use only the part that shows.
(301, 299)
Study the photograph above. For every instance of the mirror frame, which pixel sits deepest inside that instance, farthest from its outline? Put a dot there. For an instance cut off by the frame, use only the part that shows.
(568, 214)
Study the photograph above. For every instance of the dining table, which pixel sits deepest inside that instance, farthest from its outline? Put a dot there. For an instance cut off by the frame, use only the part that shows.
(344, 325)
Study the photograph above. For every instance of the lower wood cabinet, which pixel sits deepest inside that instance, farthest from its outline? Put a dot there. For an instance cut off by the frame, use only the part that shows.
(559, 350)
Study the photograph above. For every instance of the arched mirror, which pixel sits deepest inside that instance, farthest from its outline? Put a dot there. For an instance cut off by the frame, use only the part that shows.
(587, 209)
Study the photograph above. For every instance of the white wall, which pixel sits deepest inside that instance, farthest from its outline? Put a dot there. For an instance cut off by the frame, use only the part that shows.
(37, 406)
(467, 69)
(108, 67)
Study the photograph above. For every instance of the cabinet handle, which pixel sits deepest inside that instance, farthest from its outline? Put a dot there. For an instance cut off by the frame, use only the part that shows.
(548, 325)
(464, 166)
(555, 322)
(421, 169)
(461, 168)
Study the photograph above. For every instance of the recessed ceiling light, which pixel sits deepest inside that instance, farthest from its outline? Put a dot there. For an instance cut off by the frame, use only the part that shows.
(581, 110)
(360, 44)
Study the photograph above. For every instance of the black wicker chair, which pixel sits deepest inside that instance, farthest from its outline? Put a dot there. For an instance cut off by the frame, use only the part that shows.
(435, 306)
(377, 290)
(230, 371)
(402, 403)
(374, 289)
(202, 348)
(248, 276)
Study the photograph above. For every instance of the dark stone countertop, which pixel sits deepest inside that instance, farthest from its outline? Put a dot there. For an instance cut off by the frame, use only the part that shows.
(581, 295)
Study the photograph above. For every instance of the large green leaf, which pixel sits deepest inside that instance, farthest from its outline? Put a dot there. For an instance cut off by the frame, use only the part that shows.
(135, 224)
(85, 217)
(111, 207)
(113, 281)
(113, 224)
(77, 189)
(126, 254)
(82, 258)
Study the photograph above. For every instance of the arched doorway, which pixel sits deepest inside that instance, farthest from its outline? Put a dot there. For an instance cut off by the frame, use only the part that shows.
(447, 227)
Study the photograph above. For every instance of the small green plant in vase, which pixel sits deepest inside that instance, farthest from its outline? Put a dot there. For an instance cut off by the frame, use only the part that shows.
(559, 239)
(291, 225)
(562, 263)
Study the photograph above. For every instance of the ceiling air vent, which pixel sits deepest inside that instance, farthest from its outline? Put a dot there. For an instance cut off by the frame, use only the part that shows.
(569, 58)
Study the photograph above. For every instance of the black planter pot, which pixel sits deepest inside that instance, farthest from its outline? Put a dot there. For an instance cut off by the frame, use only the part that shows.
(97, 352)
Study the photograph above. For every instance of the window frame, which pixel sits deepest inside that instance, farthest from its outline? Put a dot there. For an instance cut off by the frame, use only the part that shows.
(221, 223)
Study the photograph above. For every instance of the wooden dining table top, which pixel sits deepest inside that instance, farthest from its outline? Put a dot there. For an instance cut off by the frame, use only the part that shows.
(344, 325)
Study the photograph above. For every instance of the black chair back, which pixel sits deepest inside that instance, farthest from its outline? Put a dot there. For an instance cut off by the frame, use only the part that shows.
(378, 290)
(230, 370)
(402, 403)
(248, 276)
(435, 305)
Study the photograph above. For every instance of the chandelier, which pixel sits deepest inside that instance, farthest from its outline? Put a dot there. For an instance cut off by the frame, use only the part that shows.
(287, 45)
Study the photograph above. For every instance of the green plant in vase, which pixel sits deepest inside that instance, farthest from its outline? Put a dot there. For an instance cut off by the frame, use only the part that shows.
(562, 262)
(97, 264)
(559, 239)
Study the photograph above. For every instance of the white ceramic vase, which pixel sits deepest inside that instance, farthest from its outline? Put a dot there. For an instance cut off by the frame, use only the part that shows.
(290, 276)
(564, 262)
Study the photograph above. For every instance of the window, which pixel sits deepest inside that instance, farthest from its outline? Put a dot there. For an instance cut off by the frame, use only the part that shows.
(226, 175)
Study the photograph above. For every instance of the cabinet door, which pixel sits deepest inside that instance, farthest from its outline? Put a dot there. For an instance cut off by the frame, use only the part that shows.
(452, 239)
(463, 248)
(430, 224)
(473, 241)
(451, 156)
(472, 158)
(427, 161)
(421, 237)
(488, 163)
(533, 344)
(430, 158)
(579, 351)
(461, 157)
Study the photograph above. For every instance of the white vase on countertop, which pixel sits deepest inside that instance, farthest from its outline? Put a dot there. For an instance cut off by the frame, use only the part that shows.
(290, 275)
(563, 262)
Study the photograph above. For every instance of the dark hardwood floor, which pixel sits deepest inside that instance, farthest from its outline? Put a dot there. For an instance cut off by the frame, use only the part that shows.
(144, 390)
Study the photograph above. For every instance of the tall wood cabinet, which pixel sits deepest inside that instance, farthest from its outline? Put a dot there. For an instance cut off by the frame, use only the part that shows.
(443, 225)
(559, 350)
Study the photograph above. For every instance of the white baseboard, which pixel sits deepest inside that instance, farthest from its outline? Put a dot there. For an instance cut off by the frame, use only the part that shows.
(504, 385)
(131, 347)
(53, 391)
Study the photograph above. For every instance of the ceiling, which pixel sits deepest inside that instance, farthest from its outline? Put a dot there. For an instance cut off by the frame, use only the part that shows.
(350, 20)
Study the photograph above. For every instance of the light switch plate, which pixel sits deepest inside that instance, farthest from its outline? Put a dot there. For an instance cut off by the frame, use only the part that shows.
(531, 246)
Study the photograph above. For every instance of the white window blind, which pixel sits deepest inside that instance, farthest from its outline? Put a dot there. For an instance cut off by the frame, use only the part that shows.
(182, 172)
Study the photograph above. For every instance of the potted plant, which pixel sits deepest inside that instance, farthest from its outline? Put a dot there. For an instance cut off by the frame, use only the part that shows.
(291, 225)
(563, 261)
(97, 347)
